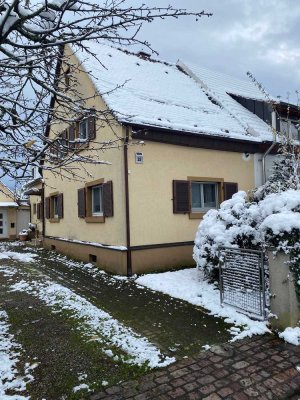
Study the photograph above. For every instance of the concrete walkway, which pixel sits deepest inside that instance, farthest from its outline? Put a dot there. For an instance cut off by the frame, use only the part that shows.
(262, 367)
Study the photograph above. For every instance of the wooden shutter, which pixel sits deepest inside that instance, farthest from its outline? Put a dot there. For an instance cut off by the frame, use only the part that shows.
(229, 189)
(81, 203)
(47, 205)
(92, 127)
(38, 211)
(72, 131)
(64, 142)
(60, 205)
(181, 197)
(108, 205)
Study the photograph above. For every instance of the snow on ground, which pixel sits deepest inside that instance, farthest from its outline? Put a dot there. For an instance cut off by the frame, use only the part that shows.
(97, 324)
(10, 380)
(22, 257)
(291, 335)
(82, 386)
(186, 285)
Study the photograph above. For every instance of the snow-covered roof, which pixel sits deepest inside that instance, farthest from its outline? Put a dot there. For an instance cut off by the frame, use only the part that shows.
(219, 86)
(8, 204)
(156, 94)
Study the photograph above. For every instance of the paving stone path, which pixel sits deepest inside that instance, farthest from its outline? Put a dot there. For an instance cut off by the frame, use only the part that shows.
(262, 367)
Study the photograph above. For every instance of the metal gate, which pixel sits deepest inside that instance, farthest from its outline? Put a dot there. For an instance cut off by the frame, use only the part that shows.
(242, 281)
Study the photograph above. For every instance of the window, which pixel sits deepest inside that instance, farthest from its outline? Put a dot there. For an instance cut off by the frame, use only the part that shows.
(83, 129)
(54, 207)
(289, 129)
(204, 196)
(195, 196)
(34, 208)
(97, 200)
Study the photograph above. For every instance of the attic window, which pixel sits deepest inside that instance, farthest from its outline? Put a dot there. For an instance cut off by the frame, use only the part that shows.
(109, 55)
(166, 72)
(138, 64)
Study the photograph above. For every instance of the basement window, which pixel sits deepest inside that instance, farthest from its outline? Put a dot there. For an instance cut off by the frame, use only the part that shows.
(92, 258)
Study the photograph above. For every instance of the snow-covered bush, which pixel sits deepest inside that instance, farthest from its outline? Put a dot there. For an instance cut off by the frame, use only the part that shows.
(233, 224)
(273, 221)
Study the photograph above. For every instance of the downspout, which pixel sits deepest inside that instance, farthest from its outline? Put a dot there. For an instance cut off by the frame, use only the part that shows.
(270, 148)
(128, 245)
(43, 210)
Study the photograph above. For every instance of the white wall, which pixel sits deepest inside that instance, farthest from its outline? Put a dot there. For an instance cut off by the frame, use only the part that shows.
(258, 171)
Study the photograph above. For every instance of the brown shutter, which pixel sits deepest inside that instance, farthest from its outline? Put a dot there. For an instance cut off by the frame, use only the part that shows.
(81, 203)
(229, 189)
(64, 142)
(92, 127)
(72, 131)
(108, 204)
(181, 197)
(60, 205)
(47, 205)
(38, 210)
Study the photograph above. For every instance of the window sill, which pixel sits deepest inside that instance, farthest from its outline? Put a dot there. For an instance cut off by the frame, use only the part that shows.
(100, 219)
(53, 220)
(197, 215)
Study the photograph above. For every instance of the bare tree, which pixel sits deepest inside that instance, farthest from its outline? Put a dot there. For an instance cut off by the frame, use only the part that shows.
(32, 36)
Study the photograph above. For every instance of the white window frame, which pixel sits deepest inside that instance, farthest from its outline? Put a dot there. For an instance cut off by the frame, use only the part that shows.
(55, 206)
(100, 213)
(84, 123)
(202, 184)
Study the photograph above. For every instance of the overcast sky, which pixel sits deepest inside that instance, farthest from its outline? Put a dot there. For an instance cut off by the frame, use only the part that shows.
(261, 36)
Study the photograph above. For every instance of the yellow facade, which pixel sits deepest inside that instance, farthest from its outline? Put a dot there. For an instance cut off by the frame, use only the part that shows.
(150, 196)
(112, 231)
(34, 204)
(150, 187)
(12, 217)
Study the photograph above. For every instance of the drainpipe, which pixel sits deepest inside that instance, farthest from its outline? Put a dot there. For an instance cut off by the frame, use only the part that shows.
(128, 245)
(270, 148)
(43, 210)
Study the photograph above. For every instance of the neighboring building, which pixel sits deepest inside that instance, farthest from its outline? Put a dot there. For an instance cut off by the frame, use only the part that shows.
(34, 190)
(188, 145)
(14, 214)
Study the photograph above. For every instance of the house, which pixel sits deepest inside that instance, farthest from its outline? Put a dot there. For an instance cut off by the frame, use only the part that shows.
(14, 214)
(34, 190)
(188, 143)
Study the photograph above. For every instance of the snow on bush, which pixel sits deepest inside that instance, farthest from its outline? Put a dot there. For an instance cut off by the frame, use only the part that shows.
(273, 221)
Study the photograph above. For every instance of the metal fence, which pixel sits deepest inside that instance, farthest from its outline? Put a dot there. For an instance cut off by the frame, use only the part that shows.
(242, 281)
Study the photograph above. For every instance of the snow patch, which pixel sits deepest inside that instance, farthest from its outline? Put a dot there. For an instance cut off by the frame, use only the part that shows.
(22, 257)
(291, 335)
(10, 380)
(97, 321)
(186, 285)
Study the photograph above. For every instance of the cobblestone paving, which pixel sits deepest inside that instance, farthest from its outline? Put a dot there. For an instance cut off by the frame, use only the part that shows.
(262, 367)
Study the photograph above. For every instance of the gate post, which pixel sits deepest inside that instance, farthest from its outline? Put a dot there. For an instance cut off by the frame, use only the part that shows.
(284, 301)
